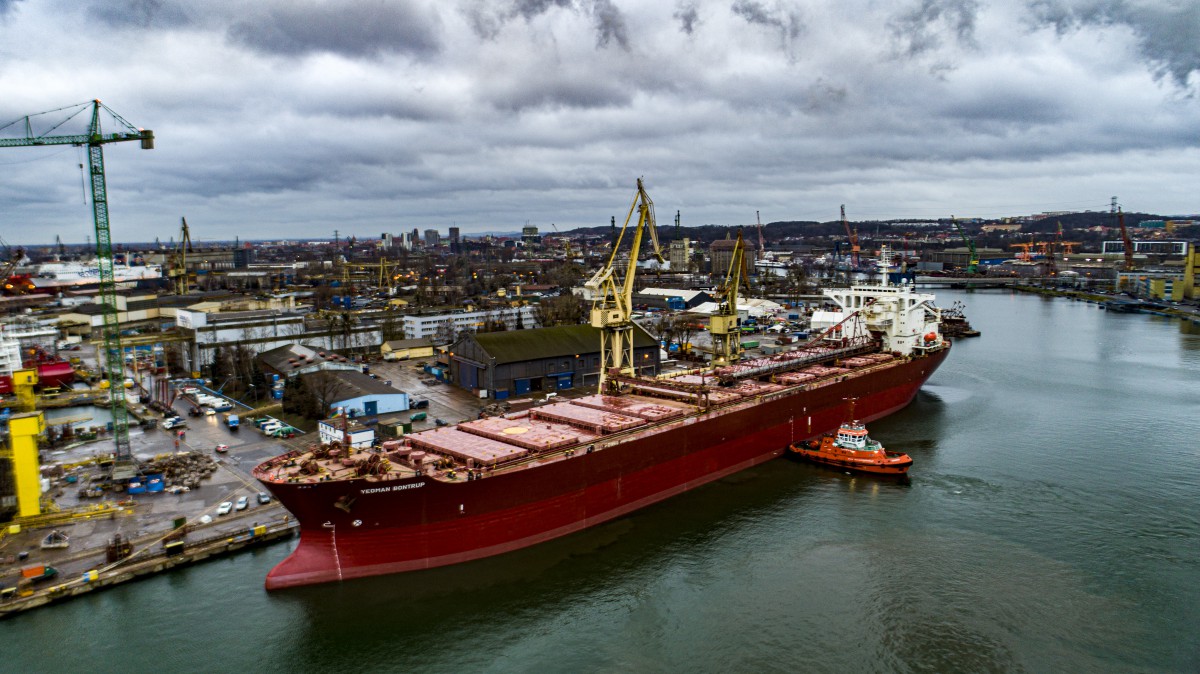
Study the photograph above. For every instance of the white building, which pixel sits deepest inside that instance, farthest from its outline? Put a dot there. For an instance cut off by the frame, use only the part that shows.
(331, 431)
(443, 328)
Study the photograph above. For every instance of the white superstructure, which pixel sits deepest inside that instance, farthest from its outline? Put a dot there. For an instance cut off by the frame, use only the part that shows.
(905, 320)
(55, 274)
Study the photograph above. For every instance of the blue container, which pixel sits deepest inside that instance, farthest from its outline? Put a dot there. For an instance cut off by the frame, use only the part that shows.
(274, 378)
(154, 483)
(137, 488)
(501, 395)
(277, 394)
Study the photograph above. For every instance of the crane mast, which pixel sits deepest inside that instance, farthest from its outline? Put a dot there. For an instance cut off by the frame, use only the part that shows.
(612, 307)
(1125, 240)
(723, 324)
(112, 360)
(762, 244)
(179, 271)
(853, 236)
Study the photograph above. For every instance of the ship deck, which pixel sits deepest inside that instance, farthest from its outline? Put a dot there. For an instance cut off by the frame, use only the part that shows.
(558, 431)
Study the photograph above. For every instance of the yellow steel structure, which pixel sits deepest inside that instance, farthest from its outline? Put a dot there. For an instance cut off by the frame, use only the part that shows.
(612, 307)
(23, 431)
(723, 324)
(24, 381)
(385, 278)
(178, 270)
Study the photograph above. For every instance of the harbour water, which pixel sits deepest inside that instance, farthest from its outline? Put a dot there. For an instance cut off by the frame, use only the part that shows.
(1050, 523)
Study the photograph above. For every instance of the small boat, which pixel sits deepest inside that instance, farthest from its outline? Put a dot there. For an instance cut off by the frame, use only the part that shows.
(55, 540)
(852, 449)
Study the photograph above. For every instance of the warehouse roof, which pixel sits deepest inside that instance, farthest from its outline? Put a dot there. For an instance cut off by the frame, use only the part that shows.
(347, 384)
(290, 357)
(513, 346)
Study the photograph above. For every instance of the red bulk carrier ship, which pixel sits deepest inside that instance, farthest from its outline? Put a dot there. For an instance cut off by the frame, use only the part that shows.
(486, 487)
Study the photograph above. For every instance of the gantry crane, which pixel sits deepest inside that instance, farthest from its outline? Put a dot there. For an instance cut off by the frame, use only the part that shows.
(853, 236)
(612, 306)
(1026, 249)
(95, 139)
(973, 259)
(385, 278)
(723, 324)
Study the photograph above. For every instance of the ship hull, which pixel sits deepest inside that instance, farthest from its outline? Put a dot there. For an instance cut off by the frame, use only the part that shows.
(366, 527)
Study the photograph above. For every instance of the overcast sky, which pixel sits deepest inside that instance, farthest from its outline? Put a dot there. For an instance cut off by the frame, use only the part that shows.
(293, 118)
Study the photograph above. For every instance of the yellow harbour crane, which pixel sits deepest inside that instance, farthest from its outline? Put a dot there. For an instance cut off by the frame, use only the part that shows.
(612, 306)
(723, 324)
(178, 270)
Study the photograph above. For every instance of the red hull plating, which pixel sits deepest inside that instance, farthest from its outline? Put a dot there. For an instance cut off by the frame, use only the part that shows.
(418, 523)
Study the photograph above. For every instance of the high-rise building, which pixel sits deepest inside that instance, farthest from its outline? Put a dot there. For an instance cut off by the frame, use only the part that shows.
(680, 254)
(431, 238)
(455, 245)
(530, 235)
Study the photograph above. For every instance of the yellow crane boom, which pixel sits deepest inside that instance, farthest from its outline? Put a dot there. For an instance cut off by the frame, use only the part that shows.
(612, 307)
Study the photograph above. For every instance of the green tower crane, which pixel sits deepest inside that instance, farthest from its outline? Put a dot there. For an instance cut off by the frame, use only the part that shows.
(973, 262)
(95, 139)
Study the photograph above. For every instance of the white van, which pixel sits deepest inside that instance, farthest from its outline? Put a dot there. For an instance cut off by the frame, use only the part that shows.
(270, 427)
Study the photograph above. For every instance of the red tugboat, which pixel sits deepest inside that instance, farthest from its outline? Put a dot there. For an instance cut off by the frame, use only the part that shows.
(853, 449)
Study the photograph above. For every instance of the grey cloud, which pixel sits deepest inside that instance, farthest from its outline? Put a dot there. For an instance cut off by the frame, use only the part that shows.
(1168, 33)
(487, 20)
(533, 8)
(562, 89)
(787, 22)
(360, 29)
(139, 13)
(688, 17)
(610, 24)
(920, 30)
(6, 5)
(821, 96)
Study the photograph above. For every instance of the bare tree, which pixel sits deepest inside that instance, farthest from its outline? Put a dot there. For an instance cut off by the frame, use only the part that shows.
(562, 310)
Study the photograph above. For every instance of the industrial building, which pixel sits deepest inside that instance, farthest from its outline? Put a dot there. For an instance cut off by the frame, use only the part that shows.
(355, 393)
(503, 364)
(292, 360)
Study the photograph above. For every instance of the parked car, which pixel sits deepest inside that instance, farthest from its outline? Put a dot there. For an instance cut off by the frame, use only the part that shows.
(242, 503)
(225, 508)
(264, 498)
(420, 404)
(208, 411)
(221, 449)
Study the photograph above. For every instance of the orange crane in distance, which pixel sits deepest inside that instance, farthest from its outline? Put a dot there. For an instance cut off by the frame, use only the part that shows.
(853, 236)
(1125, 240)
(1025, 253)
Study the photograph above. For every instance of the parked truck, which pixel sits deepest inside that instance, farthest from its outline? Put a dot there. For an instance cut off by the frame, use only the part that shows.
(232, 421)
